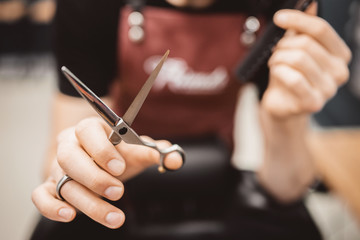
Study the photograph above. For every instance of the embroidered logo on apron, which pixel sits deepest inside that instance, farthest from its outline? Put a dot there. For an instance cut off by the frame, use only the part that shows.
(197, 81)
(178, 77)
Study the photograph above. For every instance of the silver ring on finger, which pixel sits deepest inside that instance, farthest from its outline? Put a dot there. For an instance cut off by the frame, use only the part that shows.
(60, 184)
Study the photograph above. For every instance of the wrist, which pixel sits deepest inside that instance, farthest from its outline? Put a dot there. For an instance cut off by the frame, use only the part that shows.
(287, 169)
(284, 129)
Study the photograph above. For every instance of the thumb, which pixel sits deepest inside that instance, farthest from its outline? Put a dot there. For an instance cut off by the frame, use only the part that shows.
(139, 157)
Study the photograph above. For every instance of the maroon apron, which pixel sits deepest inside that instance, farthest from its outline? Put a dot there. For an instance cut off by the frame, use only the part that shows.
(193, 97)
(195, 93)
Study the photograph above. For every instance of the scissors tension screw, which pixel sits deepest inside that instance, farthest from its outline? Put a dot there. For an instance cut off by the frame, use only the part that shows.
(123, 131)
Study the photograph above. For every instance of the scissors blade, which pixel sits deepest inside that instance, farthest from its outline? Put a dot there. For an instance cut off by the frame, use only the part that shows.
(135, 106)
(100, 107)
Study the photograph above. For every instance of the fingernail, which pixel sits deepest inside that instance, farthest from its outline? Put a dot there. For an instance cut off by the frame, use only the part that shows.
(114, 219)
(116, 166)
(281, 17)
(66, 213)
(113, 193)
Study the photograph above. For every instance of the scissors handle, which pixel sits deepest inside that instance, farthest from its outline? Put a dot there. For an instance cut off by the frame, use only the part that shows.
(164, 152)
(123, 132)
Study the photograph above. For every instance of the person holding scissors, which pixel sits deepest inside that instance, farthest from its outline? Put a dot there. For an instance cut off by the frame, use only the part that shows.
(113, 49)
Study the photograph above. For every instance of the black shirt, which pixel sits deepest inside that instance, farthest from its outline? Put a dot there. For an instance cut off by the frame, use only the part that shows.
(86, 33)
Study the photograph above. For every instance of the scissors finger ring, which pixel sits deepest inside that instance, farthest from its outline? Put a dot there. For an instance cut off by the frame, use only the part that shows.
(60, 184)
(164, 152)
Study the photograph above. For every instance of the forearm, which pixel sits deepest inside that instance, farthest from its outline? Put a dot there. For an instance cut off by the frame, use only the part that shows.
(287, 169)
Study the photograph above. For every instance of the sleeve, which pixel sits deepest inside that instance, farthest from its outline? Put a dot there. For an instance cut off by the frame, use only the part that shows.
(85, 33)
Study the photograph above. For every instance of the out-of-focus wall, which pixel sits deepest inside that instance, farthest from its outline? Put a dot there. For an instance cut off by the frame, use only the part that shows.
(27, 81)
(24, 127)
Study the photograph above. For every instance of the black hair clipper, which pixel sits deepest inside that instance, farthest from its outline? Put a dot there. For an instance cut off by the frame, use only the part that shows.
(262, 49)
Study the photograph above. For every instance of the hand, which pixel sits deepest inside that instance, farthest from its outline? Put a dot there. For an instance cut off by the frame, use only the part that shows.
(98, 169)
(307, 66)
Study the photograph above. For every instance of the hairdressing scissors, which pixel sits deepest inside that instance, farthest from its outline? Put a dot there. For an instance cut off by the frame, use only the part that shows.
(121, 129)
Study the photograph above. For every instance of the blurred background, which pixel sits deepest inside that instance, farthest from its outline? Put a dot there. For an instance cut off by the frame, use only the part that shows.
(28, 79)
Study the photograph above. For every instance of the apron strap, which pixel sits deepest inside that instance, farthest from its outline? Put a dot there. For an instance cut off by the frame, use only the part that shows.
(136, 5)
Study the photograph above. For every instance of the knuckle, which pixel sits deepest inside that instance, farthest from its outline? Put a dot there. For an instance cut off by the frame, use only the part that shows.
(277, 57)
(91, 210)
(290, 79)
(38, 200)
(330, 90)
(271, 60)
(276, 71)
(313, 104)
(283, 43)
(61, 136)
(304, 41)
(321, 27)
(295, 82)
(93, 182)
(83, 125)
(64, 153)
(62, 156)
(299, 57)
(316, 106)
(342, 74)
(34, 196)
(64, 135)
(96, 182)
(347, 55)
(163, 144)
(269, 104)
(102, 153)
(345, 76)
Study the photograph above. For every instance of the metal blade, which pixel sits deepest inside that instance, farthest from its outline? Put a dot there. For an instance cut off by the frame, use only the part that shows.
(100, 107)
(135, 106)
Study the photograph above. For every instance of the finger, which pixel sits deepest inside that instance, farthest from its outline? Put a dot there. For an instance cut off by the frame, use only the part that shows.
(280, 103)
(312, 9)
(94, 139)
(79, 166)
(334, 65)
(308, 98)
(91, 205)
(172, 160)
(304, 63)
(49, 206)
(316, 27)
